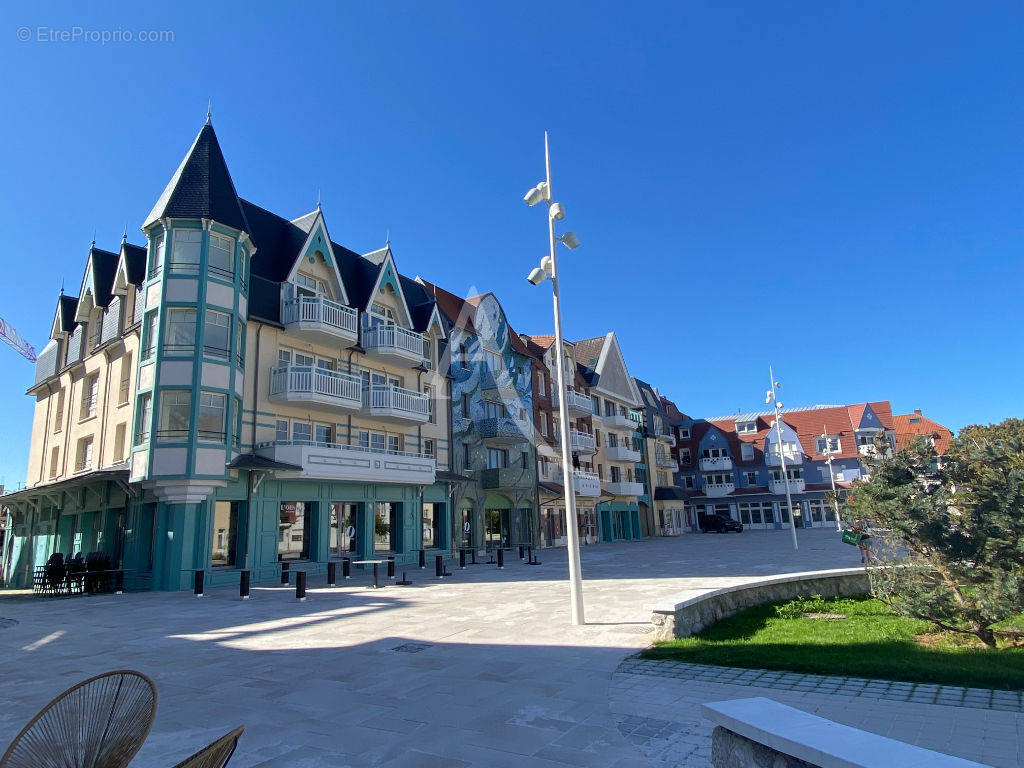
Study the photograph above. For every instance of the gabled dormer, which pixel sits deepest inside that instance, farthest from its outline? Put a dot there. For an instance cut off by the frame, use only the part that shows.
(388, 328)
(314, 300)
(790, 446)
(714, 452)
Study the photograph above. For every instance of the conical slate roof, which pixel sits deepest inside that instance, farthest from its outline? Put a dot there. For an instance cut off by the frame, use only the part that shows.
(201, 188)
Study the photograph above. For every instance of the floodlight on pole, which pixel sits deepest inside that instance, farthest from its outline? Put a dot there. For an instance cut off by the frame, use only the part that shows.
(773, 398)
(548, 270)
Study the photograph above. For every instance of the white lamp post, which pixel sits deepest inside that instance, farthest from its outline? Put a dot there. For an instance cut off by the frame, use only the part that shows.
(831, 476)
(771, 397)
(548, 270)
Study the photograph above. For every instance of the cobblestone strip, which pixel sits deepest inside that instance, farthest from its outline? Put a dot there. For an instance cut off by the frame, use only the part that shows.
(950, 695)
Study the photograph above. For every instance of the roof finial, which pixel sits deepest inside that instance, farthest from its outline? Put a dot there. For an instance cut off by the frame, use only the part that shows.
(318, 198)
(209, 110)
(124, 235)
(93, 239)
(62, 286)
(387, 238)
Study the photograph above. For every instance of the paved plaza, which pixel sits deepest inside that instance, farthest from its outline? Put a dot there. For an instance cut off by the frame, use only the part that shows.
(480, 669)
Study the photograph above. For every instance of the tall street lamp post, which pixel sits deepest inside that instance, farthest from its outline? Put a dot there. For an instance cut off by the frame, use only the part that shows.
(831, 476)
(548, 270)
(772, 397)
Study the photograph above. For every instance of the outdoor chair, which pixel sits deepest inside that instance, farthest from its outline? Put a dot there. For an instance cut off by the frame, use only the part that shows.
(99, 723)
(217, 754)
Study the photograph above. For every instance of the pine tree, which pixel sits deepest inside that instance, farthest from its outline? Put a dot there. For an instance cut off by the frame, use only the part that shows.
(953, 549)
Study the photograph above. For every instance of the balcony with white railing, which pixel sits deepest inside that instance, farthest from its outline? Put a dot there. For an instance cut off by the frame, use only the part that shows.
(320, 321)
(584, 483)
(796, 485)
(666, 437)
(336, 461)
(579, 404)
(393, 344)
(715, 464)
(621, 453)
(718, 489)
(616, 420)
(305, 384)
(397, 404)
(624, 488)
(580, 442)
(792, 453)
(665, 461)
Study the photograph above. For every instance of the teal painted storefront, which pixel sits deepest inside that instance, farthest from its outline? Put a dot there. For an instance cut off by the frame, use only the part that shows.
(619, 521)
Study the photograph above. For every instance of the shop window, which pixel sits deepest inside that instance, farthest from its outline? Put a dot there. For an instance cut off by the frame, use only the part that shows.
(225, 534)
(293, 530)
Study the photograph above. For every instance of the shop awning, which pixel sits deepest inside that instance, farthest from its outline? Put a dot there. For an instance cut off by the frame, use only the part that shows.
(98, 475)
(444, 476)
(257, 462)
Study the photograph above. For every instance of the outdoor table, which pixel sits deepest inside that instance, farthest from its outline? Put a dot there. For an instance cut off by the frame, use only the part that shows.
(376, 569)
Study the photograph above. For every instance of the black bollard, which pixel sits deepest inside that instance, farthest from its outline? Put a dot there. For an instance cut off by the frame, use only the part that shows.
(200, 581)
(405, 582)
(501, 558)
(119, 582)
(284, 573)
(346, 567)
(391, 567)
(332, 573)
(423, 558)
(462, 559)
(300, 585)
(521, 555)
(243, 585)
(473, 553)
(439, 566)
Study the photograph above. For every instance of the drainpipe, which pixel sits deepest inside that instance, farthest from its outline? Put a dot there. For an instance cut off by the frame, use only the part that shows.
(256, 388)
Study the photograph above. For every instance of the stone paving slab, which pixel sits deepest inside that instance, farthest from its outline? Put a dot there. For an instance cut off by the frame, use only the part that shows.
(975, 698)
(504, 679)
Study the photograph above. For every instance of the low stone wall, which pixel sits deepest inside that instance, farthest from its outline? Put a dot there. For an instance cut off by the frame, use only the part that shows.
(689, 612)
(730, 750)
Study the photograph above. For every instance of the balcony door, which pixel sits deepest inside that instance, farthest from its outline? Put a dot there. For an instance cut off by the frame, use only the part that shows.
(386, 527)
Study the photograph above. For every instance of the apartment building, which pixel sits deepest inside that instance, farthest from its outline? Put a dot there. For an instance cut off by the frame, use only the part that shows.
(733, 464)
(548, 402)
(493, 452)
(662, 508)
(619, 458)
(238, 392)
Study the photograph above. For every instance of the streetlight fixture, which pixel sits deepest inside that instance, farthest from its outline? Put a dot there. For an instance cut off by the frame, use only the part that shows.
(772, 397)
(831, 476)
(548, 270)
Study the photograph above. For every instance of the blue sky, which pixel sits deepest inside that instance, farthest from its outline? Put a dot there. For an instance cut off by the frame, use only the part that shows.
(833, 190)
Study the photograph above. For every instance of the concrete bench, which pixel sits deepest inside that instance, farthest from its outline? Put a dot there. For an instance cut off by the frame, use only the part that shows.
(759, 731)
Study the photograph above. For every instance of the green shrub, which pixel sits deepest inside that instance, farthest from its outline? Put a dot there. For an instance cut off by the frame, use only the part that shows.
(798, 606)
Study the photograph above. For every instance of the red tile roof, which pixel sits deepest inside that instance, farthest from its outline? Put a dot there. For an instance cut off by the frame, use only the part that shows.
(911, 425)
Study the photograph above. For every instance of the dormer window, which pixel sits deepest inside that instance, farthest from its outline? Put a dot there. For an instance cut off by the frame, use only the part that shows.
(746, 427)
(828, 444)
(380, 315)
(309, 286)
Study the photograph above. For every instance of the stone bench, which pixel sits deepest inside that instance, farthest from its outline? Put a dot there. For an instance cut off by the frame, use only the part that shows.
(756, 732)
(690, 611)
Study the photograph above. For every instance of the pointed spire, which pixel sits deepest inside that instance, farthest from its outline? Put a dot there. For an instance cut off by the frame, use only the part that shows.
(387, 238)
(209, 108)
(124, 235)
(318, 198)
(201, 188)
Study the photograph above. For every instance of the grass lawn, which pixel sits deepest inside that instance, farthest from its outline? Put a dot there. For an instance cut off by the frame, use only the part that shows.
(870, 641)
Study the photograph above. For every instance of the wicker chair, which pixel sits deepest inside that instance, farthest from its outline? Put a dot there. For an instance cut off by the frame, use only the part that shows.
(217, 754)
(99, 723)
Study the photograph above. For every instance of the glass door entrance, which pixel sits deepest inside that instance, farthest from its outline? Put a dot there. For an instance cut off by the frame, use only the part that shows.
(344, 528)
(497, 528)
(293, 530)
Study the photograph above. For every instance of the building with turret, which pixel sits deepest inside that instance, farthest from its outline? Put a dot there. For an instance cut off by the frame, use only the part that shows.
(237, 392)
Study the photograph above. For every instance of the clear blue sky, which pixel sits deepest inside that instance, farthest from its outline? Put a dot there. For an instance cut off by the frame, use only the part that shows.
(835, 190)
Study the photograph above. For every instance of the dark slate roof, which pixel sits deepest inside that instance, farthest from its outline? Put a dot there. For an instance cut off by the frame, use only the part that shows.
(67, 306)
(135, 262)
(104, 267)
(278, 241)
(201, 188)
